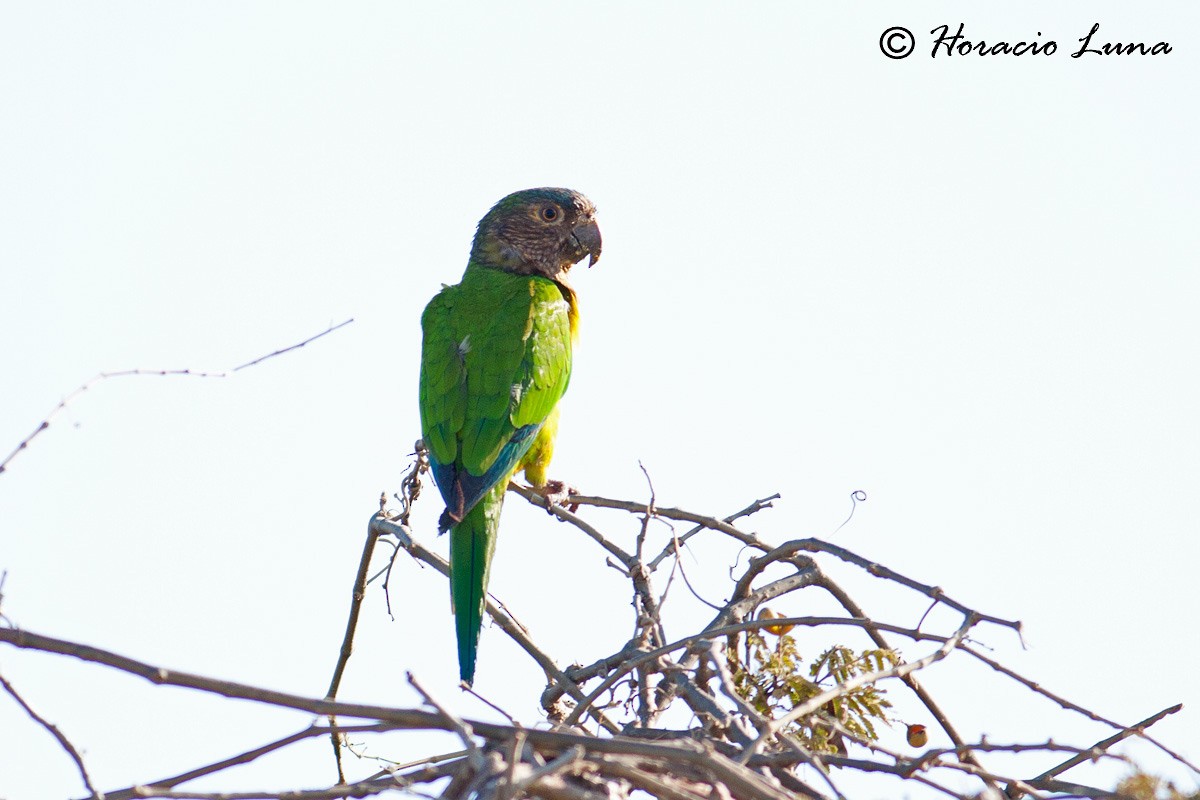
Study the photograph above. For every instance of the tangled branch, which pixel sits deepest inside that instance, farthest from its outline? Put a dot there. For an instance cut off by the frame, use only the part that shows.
(765, 724)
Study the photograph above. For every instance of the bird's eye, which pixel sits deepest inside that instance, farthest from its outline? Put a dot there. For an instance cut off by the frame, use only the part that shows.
(549, 213)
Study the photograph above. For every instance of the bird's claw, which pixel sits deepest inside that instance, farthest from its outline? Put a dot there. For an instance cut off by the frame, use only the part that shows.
(558, 493)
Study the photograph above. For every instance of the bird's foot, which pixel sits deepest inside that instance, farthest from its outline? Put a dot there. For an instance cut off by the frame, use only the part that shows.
(558, 493)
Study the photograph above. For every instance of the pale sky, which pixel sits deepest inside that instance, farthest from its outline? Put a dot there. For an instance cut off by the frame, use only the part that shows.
(965, 285)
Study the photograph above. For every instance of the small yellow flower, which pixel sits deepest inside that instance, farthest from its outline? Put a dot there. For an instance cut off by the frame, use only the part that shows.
(778, 630)
(917, 737)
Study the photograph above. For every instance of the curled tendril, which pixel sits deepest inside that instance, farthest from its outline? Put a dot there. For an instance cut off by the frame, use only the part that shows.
(856, 497)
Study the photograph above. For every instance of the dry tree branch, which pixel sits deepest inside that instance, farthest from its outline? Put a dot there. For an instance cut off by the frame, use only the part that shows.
(356, 598)
(612, 669)
(672, 547)
(354, 790)
(741, 780)
(292, 347)
(474, 754)
(553, 742)
(874, 631)
(405, 718)
(789, 549)
(678, 514)
(1132, 730)
(102, 376)
(810, 573)
(466, 687)
(763, 725)
(131, 792)
(1102, 747)
(626, 559)
(58, 735)
(741, 748)
(411, 490)
(502, 619)
(693, 756)
(910, 768)
(564, 761)
(814, 703)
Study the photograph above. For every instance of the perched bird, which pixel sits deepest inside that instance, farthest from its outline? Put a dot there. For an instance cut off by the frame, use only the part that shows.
(495, 359)
(778, 630)
(917, 737)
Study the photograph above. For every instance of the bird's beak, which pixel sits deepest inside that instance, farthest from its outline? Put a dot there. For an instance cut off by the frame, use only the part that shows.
(587, 238)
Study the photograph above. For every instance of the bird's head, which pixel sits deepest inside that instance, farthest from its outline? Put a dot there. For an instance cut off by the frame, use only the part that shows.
(538, 232)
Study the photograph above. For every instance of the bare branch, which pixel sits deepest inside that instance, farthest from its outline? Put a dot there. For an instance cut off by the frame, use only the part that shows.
(564, 761)
(679, 514)
(752, 732)
(246, 757)
(466, 687)
(474, 754)
(1103, 745)
(788, 549)
(505, 622)
(95, 379)
(53, 730)
(1067, 704)
(566, 516)
(671, 548)
(814, 703)
(296, 346)
(411, 489)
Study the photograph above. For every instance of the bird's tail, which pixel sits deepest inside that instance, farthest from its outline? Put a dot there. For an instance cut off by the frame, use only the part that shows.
(472, 543)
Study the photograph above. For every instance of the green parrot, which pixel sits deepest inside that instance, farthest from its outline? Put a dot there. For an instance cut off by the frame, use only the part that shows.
(495, 359)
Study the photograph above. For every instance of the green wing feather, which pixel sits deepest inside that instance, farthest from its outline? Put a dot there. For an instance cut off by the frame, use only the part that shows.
(443, 379)
(496, 360)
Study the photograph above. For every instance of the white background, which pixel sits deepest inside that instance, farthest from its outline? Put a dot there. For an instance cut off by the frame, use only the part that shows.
(964, 285)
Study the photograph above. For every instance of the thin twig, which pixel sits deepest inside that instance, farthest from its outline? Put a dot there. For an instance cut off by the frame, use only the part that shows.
(566, 516)
(717, 658)
(1070, 706)
(671, 513)
(813, 703)
(753, 508)
(53, 730)
(466, 687)
(502, 620)
(296, 346)
(875, 632)
(628, 660)
(246, 757)
(1103, 745)
(564, 761)
(103, 376)
(474, 754)
(505, 790)
(788, 549)
(551, 741)
(411, 488)
(356, 598)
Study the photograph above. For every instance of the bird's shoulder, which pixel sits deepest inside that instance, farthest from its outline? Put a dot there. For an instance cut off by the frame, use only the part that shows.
(485, 295)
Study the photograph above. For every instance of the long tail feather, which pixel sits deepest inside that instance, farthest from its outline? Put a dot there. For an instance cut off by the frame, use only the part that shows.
(472, 543)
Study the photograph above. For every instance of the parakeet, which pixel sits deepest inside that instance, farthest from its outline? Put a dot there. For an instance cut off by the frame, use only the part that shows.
(495, 359)
(778, 630)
